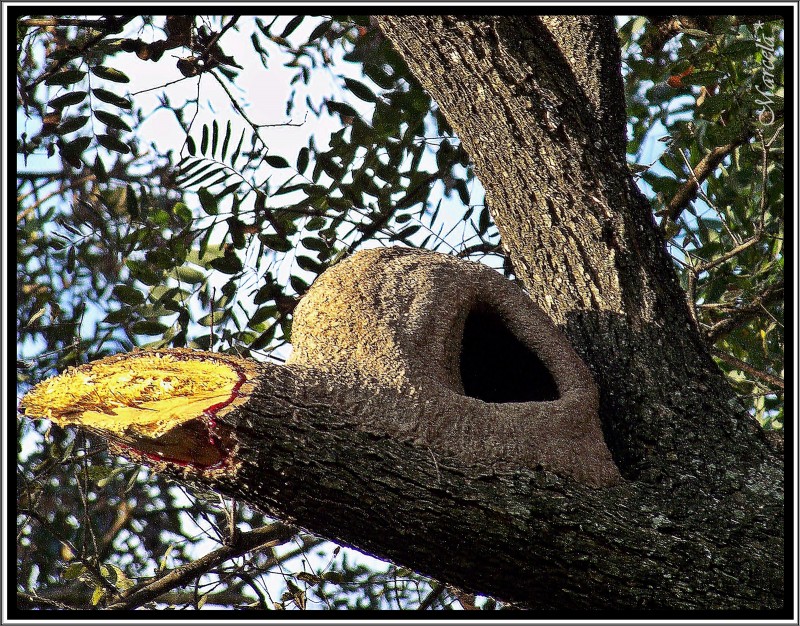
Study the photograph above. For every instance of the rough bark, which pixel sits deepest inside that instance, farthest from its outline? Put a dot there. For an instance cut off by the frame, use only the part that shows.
(291, 441)
(542, 125)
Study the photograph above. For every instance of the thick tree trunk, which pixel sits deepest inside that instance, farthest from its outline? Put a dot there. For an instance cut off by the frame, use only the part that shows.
(539, 105)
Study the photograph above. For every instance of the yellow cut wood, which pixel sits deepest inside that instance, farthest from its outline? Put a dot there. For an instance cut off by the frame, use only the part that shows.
(143, 396)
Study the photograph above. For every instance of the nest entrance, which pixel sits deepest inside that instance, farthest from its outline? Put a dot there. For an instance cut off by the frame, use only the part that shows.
(497, 367)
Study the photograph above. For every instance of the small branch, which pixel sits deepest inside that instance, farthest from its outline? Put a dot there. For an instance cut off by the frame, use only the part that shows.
(748, 369)
(704, 267)
(45, 22)
(482, 248)
(669, 26)
(211, 44)
(109, 25)
(25, 600)
(703, 170)
(434, 595)
(162, 86)
(744, 314)
(91, 568)
(261, 538)
(25, 213)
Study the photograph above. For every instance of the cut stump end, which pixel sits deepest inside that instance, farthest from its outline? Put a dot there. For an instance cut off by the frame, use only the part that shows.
(159, 403)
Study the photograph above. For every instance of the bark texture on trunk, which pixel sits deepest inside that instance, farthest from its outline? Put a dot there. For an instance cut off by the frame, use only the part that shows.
(526, 536)
(539, 106)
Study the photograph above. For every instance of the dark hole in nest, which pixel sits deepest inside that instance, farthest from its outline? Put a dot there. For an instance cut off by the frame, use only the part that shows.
(498, 367)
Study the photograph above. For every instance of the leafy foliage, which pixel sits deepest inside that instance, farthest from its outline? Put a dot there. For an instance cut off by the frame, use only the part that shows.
(210, 244)
(715, 95)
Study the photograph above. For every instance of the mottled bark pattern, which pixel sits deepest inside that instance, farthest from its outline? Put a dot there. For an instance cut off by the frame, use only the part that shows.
(542, 123)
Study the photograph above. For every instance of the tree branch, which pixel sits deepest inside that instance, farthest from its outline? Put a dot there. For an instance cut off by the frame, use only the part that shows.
(742, 315)
(688, 191)
(260, 538)
(749, 369)
(669, 26)
(110, 25)
(25, 601)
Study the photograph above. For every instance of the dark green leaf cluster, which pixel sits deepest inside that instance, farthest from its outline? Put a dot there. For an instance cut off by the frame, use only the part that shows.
(715, 96)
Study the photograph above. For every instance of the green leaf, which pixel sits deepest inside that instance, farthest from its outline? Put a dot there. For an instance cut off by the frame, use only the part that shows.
(190, 275)
(76, 146)
(207, 201)
(66, 77)
(128, 295)
(360, 90)
(71, 124)
(183, 212)
(71, 260)
(67, 99)
(319, 30)
(228, 264)
(741, 48)
(308, 264)
(345, 110)
(131, 203)
(286, 327)
(236, 230)
(211, 318)
(146, 327)
(275, 242)
(276, 161)
(483, 221)
(35, 317)
(406, 232)
(302, 160)
(315, 244)
(290, 27)
(236, 152)
(298, 284)
(120, 579)
(109, 73)
(214, 137)
(308, 577)
(714, 105)
(112, 143)
(73, 571)
(264, 339)
(229, 190)
(204, 141)
(262, 314)
(112, 98)
(226, 141)
(111, 120)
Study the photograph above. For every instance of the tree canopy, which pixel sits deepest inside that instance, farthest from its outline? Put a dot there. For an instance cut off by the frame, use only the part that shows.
(211, 242)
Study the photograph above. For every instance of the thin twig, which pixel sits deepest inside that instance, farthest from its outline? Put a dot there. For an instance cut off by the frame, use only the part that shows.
(704, 267)
(39, 602)
(688, 191)
(749, 369)
(260, 538)
(110, 25)
(215, 38)
(744, 314)
(434, 595)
